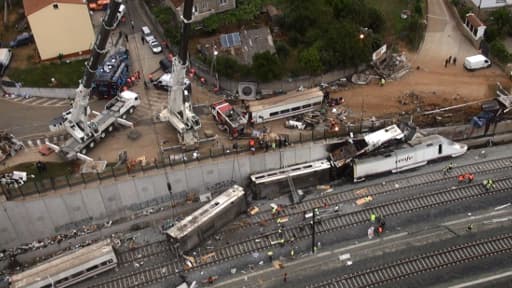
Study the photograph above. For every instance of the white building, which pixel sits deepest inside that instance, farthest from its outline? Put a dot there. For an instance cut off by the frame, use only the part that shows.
(485, 4)
(475, 26)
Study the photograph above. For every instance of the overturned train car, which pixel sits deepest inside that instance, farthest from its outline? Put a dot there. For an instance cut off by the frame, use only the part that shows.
(208, 219)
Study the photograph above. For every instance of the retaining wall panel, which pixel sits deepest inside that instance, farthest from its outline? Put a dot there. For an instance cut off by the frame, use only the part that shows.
(93, 203)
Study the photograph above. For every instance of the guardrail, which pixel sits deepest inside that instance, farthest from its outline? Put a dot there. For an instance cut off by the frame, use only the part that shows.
(40, 186)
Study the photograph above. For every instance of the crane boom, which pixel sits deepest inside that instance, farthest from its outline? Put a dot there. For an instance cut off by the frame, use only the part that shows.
(85, 132)
(79, 112)
(179, 105)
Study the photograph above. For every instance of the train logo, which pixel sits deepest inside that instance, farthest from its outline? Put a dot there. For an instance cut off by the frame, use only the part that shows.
(404, 159)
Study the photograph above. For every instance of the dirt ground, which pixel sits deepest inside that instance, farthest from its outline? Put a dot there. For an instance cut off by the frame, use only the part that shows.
(431, 87)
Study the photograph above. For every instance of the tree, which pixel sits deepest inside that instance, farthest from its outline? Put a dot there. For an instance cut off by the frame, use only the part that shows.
(502, 20)
(266, 66)
(310, 60)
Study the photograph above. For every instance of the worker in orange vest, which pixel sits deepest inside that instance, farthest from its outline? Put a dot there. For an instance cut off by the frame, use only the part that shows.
(461, 178)
(252, 145)
(470, 177)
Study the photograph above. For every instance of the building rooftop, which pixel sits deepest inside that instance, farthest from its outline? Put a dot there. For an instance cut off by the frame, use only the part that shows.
(32, 6)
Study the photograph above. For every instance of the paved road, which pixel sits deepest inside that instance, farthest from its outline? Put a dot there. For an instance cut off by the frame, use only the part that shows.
(442, 38)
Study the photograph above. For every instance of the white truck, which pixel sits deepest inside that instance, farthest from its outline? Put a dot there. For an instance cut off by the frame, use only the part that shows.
(77, 122)
(476, 62)
(116, 110)
(5, 59)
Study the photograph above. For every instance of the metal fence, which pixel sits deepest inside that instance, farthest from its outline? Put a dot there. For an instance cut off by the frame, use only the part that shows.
(40, 186)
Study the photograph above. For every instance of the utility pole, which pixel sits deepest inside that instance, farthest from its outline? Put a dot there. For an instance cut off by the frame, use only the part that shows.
(313, 245)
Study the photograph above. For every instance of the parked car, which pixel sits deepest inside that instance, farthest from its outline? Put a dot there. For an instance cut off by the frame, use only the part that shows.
(22, 39)
(155, 45)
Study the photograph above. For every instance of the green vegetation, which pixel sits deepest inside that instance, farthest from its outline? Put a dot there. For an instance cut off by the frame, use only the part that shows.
(390, 10)
(166, 17)
(66, 74)
(54, 169)
(246, 11)
(315, 35)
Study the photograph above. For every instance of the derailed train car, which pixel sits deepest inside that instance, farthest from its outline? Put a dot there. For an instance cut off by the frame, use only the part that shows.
(69, 268)
(208, 219)
(415, 153)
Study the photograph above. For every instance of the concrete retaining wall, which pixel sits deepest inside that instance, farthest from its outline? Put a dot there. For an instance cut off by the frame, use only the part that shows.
(26, 220)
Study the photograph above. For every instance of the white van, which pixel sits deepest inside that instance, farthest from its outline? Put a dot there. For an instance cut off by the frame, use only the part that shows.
(476, 62)
(5, 59)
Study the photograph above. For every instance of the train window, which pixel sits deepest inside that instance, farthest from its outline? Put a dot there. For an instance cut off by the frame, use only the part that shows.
(317, 103)
(273, 114)
(430, 144)
(296, 108)
(387, 155)
(440, 149)
(306, 106)
(284, 111)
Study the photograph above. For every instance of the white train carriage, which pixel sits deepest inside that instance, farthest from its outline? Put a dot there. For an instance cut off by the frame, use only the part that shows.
(208, 219)
(288, 105)
(411, 155)
(274, 183)
(69, 268)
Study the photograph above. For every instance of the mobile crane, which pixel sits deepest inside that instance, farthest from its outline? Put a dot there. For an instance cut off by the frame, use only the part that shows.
(86, 133)
(179, 105)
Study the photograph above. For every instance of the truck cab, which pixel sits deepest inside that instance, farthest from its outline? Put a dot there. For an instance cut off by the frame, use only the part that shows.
(5, 59)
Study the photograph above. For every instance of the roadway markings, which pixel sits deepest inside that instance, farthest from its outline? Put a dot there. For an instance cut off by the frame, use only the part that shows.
(39, 101)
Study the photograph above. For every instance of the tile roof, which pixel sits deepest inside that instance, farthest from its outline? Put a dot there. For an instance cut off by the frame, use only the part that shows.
(177, 3)
(474, 20)
(32, 6)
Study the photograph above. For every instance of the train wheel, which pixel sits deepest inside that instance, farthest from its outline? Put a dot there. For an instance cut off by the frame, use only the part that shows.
(123, 116)
(110, 128)
(92, 144)
(83, 151)
(131, 110)
(102, 135)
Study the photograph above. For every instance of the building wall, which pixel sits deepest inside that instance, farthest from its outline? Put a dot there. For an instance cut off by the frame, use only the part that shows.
(65, 30)
(26, 220)
(491, 3)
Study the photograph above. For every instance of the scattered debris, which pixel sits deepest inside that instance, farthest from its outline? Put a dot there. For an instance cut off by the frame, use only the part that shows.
(253, 210)
(9, 145)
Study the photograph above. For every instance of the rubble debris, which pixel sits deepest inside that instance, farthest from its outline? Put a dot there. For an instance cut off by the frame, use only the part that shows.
(9, 145)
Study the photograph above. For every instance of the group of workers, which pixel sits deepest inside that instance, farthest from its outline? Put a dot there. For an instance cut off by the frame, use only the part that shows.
(378, 225)
(488, 184)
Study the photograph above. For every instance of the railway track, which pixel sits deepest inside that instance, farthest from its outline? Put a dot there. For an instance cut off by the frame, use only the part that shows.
(427, 262)
(334, 223)
(143, 252)
(407, 183)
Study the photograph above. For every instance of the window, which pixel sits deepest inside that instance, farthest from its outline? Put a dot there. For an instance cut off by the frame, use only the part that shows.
(204, 4)
(223, 2)
(306, 106)
(296, 108)
(317, 103)
(55, 6)
(440, 149)
(273, 114)
(284, 111)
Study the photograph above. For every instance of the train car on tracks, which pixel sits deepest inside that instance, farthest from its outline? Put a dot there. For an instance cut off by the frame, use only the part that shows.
(274, 183)
(69, 268)
(416, 153)
(208, 219)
